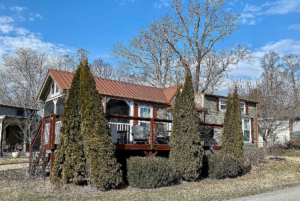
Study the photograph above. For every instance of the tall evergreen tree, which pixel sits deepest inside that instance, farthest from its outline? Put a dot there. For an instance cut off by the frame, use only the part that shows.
(102, 167)
(69, 164)
(232, 134)
(186, 147)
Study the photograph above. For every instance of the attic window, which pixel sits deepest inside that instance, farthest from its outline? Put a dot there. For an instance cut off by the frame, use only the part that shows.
(54, 89)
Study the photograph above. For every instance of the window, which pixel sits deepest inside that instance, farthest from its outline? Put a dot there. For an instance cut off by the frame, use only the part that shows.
(223, 104)
(243, 107)
(246, 126)
(54, 89)
(145, 112)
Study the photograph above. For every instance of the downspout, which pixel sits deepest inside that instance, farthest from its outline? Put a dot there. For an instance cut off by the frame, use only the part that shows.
(1, 134)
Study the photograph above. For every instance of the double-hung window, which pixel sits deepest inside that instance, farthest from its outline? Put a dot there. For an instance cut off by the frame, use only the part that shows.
(243, 107)
(145, 111)
(246, 127)
(223, 104)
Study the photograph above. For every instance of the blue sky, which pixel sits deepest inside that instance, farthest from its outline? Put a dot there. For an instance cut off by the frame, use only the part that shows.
(59, 26)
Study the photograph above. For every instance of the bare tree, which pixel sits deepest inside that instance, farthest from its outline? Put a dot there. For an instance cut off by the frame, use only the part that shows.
(28, 125)
(274, 93)
(103, 69)
(147, 57)
(201, 27)
(217, 65)
(24, 73)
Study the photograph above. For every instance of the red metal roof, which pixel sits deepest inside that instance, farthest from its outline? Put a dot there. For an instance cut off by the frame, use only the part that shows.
(113, 88)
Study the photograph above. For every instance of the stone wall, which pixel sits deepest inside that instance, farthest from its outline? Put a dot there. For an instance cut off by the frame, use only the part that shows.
(217, 117)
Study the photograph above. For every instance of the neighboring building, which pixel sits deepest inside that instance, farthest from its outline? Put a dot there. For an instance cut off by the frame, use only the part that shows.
(215, 107)
(129, 99)
(11, 118)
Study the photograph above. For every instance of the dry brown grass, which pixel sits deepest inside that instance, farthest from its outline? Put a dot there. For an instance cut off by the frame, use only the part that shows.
(12, 160)
(271, 176)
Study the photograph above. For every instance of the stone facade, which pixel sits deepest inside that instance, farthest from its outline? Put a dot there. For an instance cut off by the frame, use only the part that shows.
(217, 117)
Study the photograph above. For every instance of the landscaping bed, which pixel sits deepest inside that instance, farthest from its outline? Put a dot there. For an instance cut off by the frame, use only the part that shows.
(273, 175)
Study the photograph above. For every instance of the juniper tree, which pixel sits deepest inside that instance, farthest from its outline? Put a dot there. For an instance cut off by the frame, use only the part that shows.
(186, 147)
(102, 167)
(69, 163)
(232, 134)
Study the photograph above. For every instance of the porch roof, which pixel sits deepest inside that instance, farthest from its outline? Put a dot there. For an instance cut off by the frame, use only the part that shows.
(118, 89)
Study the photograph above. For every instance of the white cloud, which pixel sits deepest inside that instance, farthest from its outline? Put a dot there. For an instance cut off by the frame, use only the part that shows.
(294, 26)
(21, 31)
(38, 16)
(283, 47)
(283, 7)
(5, 28)
(161, 3)
(17, 8)
(125, 1)
(6, 19)
(279, 7)
(31, 19)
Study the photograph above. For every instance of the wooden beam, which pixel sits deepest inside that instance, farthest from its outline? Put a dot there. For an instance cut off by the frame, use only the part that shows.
(202, 117)
(137, 118)
(151, 134)
(154, 115)
(256, 121)
(252, 130)
(135, 113)
(52, 158)
(215, 148)
(105, 104)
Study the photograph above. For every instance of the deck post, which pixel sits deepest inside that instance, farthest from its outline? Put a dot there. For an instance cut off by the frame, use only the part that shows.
(52, 158)
(151, 134)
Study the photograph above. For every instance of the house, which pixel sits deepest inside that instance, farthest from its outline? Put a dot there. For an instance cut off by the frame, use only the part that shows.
(144, 103)
(12, 119)
(214, 107)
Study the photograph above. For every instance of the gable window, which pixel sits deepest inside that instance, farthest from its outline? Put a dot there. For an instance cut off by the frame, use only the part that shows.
(54, 89)
(223, 104)
(246, 127)
(243, 107)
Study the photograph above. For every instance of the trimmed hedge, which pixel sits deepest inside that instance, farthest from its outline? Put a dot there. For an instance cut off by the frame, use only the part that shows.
(146, 172)
(221, 166)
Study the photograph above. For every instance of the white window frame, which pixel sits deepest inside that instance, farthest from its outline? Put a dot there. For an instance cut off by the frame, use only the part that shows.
(250, 129)
(220, 100)
(151, 113)
(170, 116)
(55, 87)
(243, 111)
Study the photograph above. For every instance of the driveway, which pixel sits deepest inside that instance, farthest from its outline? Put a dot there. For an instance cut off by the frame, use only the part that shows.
(288, 194)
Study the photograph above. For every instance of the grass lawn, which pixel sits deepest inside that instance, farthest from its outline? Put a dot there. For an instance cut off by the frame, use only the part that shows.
(12, 160)
(272, 176)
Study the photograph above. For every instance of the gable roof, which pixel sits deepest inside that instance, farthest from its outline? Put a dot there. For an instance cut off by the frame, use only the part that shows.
(113, 88)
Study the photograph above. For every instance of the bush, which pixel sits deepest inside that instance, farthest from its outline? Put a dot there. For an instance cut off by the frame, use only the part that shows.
(146, 172)
(254, 156)
(276, 150)
(294, 143)
(221, 166)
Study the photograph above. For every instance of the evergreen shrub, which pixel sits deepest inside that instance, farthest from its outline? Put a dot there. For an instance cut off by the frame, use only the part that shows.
(147, 172)
(186, 146)
(294, 143)
(222, 166)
